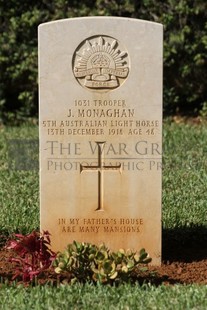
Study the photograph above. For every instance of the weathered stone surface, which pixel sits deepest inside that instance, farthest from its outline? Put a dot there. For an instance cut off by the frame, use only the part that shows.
(100, 132)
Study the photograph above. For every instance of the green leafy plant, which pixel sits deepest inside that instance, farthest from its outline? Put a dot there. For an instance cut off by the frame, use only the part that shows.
(31, 254)
(88, 262)
(203, 111)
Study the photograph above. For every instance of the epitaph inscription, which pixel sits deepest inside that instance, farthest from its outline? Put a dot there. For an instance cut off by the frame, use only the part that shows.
(101, 132)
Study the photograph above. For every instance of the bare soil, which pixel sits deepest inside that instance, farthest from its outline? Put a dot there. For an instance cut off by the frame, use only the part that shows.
(184, 261)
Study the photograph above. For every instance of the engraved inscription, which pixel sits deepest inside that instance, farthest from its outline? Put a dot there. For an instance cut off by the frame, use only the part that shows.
(100, 169)
(101, 225)
(100, 63)
(93, 117)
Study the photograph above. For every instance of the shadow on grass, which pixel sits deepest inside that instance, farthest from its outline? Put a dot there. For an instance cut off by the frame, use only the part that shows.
(184, 244)
(180, 245)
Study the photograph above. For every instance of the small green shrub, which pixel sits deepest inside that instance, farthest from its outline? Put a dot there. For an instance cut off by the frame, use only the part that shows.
(203, 111)
(88, 262)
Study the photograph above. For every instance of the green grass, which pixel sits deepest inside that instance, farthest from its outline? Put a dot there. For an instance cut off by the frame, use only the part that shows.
(107, 297)
(184, 176)
(19, 190)
(184, 180)
(184, 206)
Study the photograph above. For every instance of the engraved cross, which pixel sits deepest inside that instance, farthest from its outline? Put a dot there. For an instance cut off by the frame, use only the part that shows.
(100, 168)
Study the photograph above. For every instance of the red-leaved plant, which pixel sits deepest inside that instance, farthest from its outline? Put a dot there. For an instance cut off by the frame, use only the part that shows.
(31, 254)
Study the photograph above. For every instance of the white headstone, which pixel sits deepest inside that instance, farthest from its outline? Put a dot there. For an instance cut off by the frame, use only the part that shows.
(100, 83)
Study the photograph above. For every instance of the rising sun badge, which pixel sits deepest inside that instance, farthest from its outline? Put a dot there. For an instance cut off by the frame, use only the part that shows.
(100, 63)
